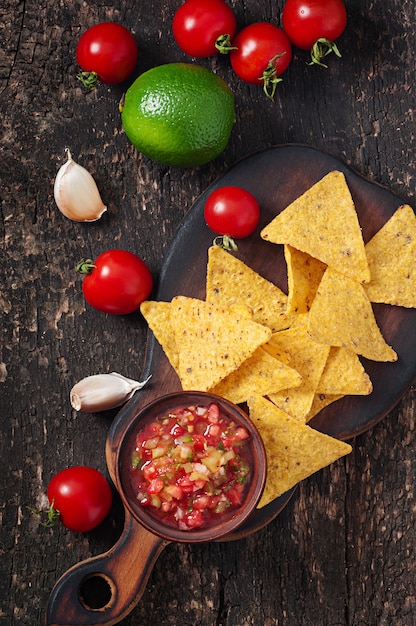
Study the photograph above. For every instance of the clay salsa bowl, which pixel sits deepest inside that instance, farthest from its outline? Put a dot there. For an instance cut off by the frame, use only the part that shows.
(103, 589)
(229, 520)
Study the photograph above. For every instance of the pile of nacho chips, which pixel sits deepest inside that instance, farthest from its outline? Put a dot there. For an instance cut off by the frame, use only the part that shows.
(289, 355)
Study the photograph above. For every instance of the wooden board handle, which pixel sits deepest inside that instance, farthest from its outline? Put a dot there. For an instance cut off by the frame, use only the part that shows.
(104, 589)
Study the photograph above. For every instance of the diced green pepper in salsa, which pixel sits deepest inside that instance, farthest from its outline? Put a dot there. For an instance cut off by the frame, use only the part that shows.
(191, 466)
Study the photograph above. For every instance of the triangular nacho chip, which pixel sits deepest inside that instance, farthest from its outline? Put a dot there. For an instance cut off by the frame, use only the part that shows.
(342, 315)
(211, 341)
(230, 281)
(295, 348)
(157, 315)
(344, 374)
(323, 222)
(391, 255)
(294, 450)
(260, 374)
(304, 273)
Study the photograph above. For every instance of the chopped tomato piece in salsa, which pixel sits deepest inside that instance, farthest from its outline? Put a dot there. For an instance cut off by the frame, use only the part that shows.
(191, 466)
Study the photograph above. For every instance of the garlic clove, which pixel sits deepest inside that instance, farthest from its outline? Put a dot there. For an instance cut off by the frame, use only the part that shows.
(103, 392)
(76, 193)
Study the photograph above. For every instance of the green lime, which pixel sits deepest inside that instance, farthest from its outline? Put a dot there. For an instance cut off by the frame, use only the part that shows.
(179, 114)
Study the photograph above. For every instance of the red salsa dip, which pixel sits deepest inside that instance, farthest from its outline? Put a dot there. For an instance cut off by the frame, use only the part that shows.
(191, 467)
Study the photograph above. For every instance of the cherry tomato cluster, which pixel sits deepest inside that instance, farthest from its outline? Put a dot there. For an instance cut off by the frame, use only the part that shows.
(262, 51)
(259, 53)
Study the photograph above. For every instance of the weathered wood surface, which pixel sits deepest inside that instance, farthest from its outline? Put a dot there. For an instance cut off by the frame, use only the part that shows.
(343, 551)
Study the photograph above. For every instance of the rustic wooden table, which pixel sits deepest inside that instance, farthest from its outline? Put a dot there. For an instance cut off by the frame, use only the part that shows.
(343, 550)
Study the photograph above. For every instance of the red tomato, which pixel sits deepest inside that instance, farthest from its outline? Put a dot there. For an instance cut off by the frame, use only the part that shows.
(82, 496)
(117, 282)
(232, 211)
(194, 519)
(314, 23)
(107, 51)
(202, 28)
(262, 54)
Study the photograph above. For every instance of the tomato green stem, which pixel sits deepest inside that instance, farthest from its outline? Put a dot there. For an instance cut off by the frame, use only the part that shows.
(86, 266)
(226, 242)
(320, 49)
(53, 515)
(269, 78)
(88, 79)
(223, 44)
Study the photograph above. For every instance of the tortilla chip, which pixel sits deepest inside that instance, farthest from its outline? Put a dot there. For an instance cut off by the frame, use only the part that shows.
(341, 315)
(230, 281)
(391, 255)
(294, 450)
(304, 273)
(344, 374)
(323, 223)
(320, 401)
(297, 350)
(260, 374)
(211, 341)
(157, 315)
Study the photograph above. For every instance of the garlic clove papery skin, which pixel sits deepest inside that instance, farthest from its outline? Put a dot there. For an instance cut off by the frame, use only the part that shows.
(103, 392)
(76, 193)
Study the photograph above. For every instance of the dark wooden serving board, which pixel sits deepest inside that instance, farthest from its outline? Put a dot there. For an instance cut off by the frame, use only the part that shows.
(276, 177)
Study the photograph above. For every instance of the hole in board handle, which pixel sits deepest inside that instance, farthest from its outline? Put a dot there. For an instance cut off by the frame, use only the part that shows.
(96, 592)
